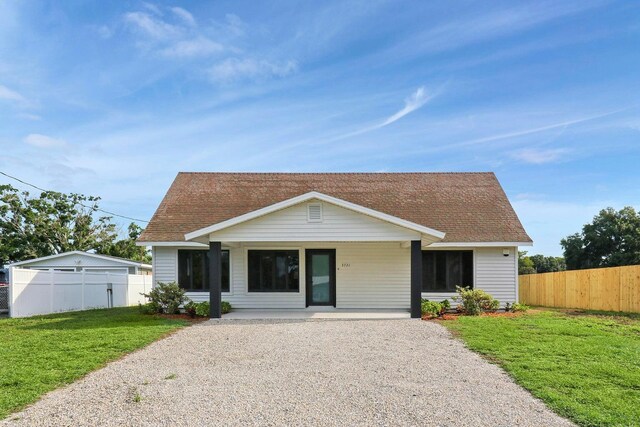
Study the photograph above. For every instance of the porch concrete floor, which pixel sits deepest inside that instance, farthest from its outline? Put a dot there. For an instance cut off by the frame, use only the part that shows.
(316, 313)
(296, 373)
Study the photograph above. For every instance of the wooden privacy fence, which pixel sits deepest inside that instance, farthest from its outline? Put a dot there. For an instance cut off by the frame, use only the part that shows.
(611, 289)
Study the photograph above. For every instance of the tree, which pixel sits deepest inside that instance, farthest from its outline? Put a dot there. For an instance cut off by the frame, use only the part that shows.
(548, 264)
(539, 263)
(50, 224)
(126, 248)
(611, 239)
(525, 264)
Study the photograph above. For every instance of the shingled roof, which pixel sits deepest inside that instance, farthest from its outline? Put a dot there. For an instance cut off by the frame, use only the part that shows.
(468, 207)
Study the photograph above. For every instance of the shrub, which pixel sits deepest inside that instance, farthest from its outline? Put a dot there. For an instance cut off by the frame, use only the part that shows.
(434, 309)
(519, 307)
(148, 308)
(166, 298)
(202, 309)
(431, 308)
(226, 307)
(475, 301)
(191, 308)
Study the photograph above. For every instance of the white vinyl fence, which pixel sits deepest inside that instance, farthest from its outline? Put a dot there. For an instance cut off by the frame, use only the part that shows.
(33, 292)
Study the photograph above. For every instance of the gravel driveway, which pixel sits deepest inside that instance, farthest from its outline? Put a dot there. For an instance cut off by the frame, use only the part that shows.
(308, 372)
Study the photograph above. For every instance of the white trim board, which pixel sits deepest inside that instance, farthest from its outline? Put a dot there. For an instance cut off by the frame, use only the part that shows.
(477, 244)
(106, 258)
(311, 196)
(172, 244)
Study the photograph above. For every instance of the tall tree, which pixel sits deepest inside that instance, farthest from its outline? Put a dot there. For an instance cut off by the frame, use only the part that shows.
(539, 263)
(548, 264)
(525, 264)
(611, 239)
(126, 248)
(52, 223)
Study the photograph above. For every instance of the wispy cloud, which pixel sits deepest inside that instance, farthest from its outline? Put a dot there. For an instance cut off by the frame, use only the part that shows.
(415, 101)
(199, 46)
(493, 23)
(534, 130)
(151, 26)
(13, 96)
(44, 141)
(185, 15)
(29, 116)
(233, 69)
(411, 104)
(540, 156)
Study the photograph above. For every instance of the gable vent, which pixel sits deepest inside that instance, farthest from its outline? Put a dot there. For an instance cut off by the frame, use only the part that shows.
(314, 212)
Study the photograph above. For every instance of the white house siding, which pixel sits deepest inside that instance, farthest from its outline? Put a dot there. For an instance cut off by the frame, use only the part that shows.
(493, 273)
(165, 264)
(368, 275)
(291, 225)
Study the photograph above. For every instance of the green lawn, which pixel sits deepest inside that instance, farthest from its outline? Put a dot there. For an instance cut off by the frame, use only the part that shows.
(39, 354)
(585, 366)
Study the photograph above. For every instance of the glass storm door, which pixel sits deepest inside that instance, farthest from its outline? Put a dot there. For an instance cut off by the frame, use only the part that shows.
(321, 276)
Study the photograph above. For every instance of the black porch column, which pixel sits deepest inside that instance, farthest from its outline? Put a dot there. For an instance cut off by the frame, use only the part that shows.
(416, 278)
(215, 280)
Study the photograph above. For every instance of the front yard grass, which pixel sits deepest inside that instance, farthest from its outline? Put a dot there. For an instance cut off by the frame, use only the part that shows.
(583, 365)
(41, 353)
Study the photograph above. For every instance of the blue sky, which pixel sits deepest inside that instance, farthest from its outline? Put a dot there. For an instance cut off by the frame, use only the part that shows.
(114, 98)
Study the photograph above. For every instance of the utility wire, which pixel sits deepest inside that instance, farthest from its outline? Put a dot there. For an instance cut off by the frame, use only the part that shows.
(88, 207)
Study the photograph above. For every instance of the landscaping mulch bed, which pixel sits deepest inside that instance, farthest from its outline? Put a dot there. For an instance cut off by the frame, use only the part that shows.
(454, 316)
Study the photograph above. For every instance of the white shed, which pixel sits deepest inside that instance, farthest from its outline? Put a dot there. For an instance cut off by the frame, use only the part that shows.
(85, 261)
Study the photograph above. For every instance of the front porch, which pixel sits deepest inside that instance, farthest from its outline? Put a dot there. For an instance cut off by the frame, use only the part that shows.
(315, 279)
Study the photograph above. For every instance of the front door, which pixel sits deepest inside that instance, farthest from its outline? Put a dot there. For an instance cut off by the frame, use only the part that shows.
(321, 276)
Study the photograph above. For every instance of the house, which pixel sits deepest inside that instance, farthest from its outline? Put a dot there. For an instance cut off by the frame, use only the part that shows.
(344, 240)
(85, 261)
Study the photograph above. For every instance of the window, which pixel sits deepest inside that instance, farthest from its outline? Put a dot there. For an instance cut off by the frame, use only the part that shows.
(273, 271)
(193, 270)
(442, 271)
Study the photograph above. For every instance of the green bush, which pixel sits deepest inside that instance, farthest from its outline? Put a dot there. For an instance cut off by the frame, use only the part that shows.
(516, 306)
(434, 309)
(191, 308)
(475, 301)
(202, 309)
(148, 308)
(166, 298)
(226, 307)
(430, 308)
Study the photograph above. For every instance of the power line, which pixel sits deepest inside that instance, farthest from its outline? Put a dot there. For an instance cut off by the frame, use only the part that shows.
(88, 207)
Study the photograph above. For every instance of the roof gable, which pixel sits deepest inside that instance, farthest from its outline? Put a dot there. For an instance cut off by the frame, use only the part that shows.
(314, 195)
(468, 207)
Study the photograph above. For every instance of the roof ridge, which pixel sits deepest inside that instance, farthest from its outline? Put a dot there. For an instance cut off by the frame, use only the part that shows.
(336, 173)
